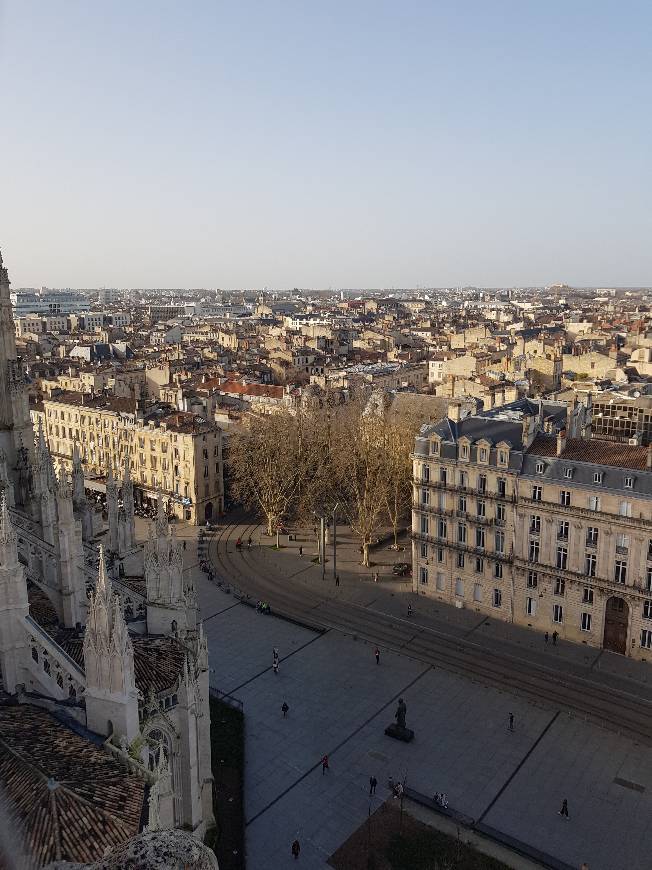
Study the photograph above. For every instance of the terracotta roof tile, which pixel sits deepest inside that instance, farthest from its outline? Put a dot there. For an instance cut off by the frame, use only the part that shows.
(91, 803)
(595, 451)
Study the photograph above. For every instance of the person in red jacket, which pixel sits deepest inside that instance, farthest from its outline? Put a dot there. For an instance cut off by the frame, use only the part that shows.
(324, 765)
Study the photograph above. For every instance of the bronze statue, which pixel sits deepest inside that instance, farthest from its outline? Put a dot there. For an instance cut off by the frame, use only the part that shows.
(401, 710)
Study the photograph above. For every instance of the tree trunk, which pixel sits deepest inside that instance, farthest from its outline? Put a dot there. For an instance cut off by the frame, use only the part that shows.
(365, 554)
(396, 536)
(270, 529)
(278, 539)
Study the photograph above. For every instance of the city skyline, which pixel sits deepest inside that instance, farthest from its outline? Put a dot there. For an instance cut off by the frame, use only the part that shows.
(343, 147)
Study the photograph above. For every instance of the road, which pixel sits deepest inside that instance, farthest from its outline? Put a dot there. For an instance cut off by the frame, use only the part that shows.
(565, 683)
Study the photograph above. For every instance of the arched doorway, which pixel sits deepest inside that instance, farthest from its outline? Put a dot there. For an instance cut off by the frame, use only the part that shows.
(208, 510)
(616, 618)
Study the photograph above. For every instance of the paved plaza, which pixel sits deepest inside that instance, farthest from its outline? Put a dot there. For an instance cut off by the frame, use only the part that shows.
(340, 702)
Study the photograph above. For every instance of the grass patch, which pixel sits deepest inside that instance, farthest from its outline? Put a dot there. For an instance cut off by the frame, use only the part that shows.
(387, 843)
(227, 758)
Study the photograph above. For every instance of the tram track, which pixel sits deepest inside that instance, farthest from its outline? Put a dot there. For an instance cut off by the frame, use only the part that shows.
(578, 696)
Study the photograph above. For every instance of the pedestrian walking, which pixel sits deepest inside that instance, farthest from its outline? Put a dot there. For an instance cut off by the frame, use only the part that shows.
(301, 551)
(545, 637)
(409, 610)
(249, 542)
(377, 654)
(375, 576)
(337, 579)
(555, 635)
(296, 848)
(275, 654)
(324, 765)
(373, 782)
(275, 666)
(284, 709)
(511, 721)
(563, 812)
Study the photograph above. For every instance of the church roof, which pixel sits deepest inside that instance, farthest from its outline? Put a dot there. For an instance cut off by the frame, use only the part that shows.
(72, 799)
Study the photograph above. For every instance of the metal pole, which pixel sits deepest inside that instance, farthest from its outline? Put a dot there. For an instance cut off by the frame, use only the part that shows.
(334, 543)
(323, 548)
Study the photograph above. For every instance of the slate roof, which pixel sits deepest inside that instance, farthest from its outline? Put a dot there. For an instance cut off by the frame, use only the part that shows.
(72, 799)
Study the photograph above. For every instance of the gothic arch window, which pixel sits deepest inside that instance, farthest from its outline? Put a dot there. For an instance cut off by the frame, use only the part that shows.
(159, 747)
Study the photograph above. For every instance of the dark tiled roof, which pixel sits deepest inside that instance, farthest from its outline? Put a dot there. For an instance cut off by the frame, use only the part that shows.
(158, 661)
(597, 452)
(91, 802)
(41, 608)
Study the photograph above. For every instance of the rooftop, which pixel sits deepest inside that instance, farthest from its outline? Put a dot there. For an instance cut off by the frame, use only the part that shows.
(594, 451)
(73, 799)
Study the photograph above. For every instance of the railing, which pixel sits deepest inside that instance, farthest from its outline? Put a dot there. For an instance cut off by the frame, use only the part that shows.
(641, 589)
(225, 698)
(468, 490)
(466, 548)
(54, 662)
(635, 522)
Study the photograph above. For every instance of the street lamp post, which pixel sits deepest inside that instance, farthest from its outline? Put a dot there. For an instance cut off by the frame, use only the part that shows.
(323, 547)
(335, 542)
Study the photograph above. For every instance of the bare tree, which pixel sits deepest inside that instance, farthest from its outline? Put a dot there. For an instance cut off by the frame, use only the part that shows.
(360, 471)
(399, 440)
(267, 464)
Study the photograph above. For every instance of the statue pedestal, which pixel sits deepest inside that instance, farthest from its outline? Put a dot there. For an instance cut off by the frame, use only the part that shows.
(399, 733)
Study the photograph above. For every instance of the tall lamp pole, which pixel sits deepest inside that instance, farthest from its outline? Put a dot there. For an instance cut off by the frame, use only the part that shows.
(335, 542)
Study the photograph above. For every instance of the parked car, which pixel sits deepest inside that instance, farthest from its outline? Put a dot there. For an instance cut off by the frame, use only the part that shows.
(402, 569)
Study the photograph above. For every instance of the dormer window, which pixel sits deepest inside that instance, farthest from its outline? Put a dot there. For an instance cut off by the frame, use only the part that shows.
(629, 482)
(598, 477)
(434, 448)
(568, 473)
(540, 468)
(502, 457)
(464, 451)
(484, 454)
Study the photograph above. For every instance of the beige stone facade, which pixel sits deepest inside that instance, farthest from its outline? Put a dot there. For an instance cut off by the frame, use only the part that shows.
(533, 528)
(176, 453)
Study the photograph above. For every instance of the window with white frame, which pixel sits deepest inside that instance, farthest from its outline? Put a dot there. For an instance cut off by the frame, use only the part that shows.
(594, 502)
(533, 552)
(502, 487)
(622, 544)
(460, 560)
(557, 613)
(424, 525)
(500, 541)
(477, 591)
(464, 451)
(482, 508)
(500, 512)
(540, 468)
(562, 530)
(461, 504)
(647, 609)
(423, 575)
(568, 473)
(482, 483)
(498, 570)
(562, 558)
(483, 454)
(530, 606)
(592, 536)
(564, 497)
(423, 551)
(585, 622)
(598, 477)
(425, 473)
(535, 524)
(628, 482)
(646, 638)
(479, 565)
(442, 529)
(463, 478)
(497, 598)
(625, 509)
(532, 579)
(440, 581)
(459, 587)
(620, 571)
(560, 586)
(479, 538)
(425, 496)
(502, 457)
(537, 493)
(461, 533)
(440, 554)
(590, 564)
(587, 595)
(434, 447)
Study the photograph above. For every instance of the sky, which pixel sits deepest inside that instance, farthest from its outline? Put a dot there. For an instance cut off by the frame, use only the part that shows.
(339, 144)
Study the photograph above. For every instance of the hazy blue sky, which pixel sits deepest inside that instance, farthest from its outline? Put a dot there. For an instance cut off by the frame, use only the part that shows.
(325, 144)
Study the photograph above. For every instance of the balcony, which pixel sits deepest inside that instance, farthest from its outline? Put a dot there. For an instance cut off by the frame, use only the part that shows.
(456, 545)
(549, 572)
(635, 522)
(450, 486)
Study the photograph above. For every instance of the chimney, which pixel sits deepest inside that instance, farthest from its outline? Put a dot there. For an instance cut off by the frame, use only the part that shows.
(454, 411)
(648, 463)
(561, 441)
